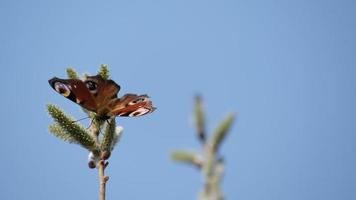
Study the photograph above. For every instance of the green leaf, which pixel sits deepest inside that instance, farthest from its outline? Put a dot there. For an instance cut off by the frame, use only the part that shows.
(221, 132)
(77, 132)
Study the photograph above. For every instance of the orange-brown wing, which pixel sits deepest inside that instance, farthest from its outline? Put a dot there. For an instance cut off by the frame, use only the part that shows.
(131, 105)
(103, 91)
(74, 90)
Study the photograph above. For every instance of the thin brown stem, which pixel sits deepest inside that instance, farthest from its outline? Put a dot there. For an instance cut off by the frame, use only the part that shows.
(102, 179)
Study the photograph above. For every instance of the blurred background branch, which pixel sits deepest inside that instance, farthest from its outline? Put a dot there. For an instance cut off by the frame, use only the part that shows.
(209, 161)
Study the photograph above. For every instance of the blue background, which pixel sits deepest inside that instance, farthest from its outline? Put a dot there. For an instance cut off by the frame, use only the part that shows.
(287, 68)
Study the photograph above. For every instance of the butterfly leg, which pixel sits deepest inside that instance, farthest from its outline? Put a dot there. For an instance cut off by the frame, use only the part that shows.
(107, 121)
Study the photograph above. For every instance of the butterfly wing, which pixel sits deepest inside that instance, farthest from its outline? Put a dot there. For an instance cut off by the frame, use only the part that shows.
(103, 91)
(100, 96)
(131, 105)
(74, 90)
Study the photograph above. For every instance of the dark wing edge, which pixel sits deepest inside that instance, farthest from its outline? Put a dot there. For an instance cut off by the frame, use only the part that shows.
(74, 90)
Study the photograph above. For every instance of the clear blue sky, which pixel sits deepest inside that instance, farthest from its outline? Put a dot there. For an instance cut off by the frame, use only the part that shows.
(287, 68)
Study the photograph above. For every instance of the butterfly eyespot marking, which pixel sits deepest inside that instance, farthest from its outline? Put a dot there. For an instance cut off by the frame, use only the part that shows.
(139, 112)
(62, 89)
(137, 100)
(92, 86)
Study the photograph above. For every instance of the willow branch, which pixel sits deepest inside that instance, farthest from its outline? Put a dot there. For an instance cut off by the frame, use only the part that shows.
(102, 179)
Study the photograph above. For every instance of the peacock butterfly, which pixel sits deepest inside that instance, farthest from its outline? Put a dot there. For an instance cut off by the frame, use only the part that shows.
(100, 96)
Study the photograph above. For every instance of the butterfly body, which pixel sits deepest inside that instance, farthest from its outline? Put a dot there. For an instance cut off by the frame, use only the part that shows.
(100, 96)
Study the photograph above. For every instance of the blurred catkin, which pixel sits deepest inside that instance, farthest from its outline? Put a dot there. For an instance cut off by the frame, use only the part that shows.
(209, 161)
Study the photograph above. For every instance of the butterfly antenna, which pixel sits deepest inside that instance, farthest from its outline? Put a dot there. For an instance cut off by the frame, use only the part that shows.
(91, 122)
(80, 119)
